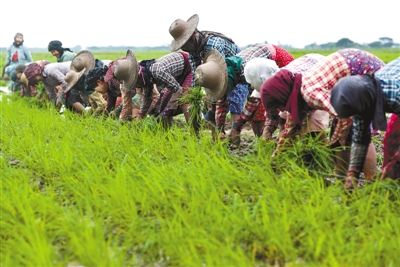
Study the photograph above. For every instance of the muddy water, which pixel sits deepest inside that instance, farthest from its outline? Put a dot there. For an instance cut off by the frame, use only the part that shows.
(4, 90)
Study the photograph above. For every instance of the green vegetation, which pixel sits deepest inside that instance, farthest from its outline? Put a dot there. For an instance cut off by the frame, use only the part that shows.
(94, 192)
(386, 54)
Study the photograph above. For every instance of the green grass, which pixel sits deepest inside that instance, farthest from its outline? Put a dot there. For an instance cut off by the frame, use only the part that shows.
(95, 192)
(386, 55)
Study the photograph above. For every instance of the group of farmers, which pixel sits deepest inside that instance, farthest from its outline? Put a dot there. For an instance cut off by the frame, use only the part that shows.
(350, 91)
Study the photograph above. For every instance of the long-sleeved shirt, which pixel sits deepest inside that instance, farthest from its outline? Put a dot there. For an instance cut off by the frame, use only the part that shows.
(66, 56)
(319, 80)
(54, 74)
(224, 47)
(167, 69)
(389, 76)
(297, 66)
(24, 55)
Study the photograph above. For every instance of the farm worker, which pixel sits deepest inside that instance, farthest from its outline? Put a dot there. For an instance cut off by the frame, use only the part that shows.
(26, 89)
(52, 76)
(103, 79)
(171, 73)
(256, 72)
(17, 53)
(365, 99)
(62, 54)
(16, 76)
(235, 67)
(198, 43)
(312, 89)
(77, 97)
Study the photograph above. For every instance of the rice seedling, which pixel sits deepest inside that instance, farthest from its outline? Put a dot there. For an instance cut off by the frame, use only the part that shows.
(91, 191)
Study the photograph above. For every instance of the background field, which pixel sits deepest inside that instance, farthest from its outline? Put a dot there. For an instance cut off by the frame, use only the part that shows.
(385, 54)
(85, 191)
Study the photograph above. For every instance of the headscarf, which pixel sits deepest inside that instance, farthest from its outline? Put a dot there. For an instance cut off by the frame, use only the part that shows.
(145, 79)
(20, 68)
(15, 39)
(57, 45)
(258, 70)
(93, 75)
(110, 72)
(234, 65)
(34, 69)
(362, 96)
(283, 89)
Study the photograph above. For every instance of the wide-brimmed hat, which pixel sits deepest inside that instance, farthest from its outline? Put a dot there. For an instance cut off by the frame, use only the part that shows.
(126, 70)
(83, 60)
(181, 31)
(213, 75)
(72, 77)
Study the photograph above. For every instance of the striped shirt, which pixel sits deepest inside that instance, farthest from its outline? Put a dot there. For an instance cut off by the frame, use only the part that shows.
(167, 69)
(227, 49)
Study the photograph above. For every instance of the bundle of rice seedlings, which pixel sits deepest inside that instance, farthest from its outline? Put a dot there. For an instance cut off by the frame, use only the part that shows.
(195, 98)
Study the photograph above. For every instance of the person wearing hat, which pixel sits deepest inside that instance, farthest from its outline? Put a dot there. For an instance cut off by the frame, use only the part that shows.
(299, 94)
(173, 74)
(62, 54)
(52, 76)
(256, 72)
(197, 43)
(232, 95)
(366, 99)
(17, 53)
(117, 79)
(77, 97)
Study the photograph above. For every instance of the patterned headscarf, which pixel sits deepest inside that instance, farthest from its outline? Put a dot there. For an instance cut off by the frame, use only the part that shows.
(34, 69)
(362, 96)
(145, 79)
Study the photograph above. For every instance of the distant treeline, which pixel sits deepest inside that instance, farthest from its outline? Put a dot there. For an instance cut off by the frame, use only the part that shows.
(383, 42)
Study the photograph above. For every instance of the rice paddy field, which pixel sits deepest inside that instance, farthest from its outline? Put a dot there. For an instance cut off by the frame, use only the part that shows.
(92, 191)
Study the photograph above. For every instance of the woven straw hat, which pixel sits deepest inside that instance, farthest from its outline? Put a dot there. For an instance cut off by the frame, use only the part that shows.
(83, 60)
(213, 75)
(72, 78)
(181, 31)
(126, 70)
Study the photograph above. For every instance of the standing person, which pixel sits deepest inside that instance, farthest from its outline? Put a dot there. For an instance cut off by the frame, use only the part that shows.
(17, 53)
(62, 54)
(198, 43)
(365, 99)
(312, 90)
(256, 72)
(103, 80)
(52, 76)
